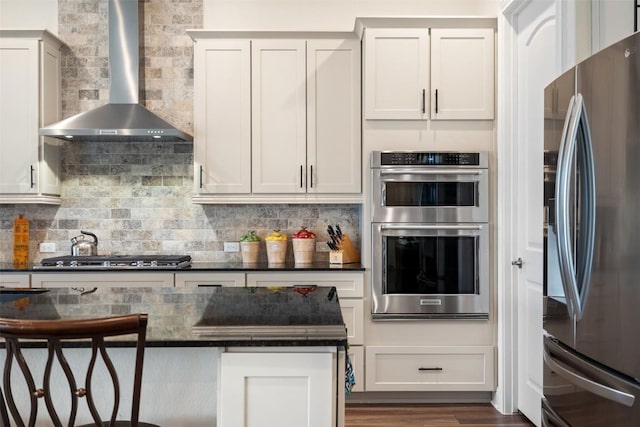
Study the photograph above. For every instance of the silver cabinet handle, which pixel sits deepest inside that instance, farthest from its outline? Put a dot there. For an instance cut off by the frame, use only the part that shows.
(32, 170)
(585, 383)
(201, 172)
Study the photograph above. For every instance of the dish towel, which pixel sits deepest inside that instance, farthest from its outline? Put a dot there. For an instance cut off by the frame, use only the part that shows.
(349, 376)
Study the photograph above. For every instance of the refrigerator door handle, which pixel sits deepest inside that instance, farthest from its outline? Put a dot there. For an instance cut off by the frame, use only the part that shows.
(576, 275)
(585, 383)
(566, 154)
(588, 204)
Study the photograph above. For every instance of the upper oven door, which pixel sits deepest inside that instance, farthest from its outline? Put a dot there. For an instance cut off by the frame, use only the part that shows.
(430, 194)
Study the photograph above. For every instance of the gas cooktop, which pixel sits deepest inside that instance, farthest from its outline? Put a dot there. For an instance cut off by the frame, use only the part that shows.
(116, 262)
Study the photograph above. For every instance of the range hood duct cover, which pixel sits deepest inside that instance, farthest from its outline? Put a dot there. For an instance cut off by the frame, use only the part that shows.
(123, 118)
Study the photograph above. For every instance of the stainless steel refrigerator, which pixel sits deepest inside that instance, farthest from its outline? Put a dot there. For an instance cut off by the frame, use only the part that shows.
(591, 314)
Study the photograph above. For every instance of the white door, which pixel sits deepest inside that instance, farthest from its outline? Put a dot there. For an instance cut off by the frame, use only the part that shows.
(278, 85)
(537, 66)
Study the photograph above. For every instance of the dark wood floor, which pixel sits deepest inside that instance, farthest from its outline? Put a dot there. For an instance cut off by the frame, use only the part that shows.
(467, 415)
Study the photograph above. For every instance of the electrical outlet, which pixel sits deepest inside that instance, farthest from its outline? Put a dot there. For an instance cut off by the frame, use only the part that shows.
(232, 246)
(47, 247)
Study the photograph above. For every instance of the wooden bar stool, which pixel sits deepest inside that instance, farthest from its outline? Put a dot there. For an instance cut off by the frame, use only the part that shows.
(55, 333)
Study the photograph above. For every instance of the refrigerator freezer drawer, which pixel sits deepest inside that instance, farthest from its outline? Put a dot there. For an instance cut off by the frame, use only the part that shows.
(580, 393)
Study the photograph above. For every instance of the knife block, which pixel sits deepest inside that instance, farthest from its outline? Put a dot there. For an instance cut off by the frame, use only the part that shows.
(346, 253)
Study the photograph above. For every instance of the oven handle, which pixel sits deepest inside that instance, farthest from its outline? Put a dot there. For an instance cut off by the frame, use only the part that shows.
(432, 172)
(431, 227)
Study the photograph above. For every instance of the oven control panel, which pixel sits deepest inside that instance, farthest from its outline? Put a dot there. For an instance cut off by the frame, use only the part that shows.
(422, 158)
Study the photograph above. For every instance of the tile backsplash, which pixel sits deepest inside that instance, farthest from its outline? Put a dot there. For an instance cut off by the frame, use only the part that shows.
(136, 197)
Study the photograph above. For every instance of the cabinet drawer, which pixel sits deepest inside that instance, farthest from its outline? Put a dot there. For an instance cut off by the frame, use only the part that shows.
(14, 280)
(356, 353)
(468, 368)
(348, 284)
(110, 279)
(209, 279)
(353, 315)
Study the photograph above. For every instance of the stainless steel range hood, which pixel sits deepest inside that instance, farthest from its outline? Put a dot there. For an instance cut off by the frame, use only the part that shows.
(123, 118)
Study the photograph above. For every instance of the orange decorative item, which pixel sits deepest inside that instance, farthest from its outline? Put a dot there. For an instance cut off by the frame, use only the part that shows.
(20, 242)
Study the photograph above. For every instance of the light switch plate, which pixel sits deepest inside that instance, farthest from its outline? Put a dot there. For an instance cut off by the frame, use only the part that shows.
(232, 246)
(47, 247)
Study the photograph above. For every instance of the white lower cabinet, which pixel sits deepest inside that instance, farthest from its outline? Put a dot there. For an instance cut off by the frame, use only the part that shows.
(14, 280)
(101, 279)
(209, 279)
(285, 389)
(456, 368)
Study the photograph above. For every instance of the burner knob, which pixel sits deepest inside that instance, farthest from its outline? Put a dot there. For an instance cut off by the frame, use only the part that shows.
(74, 263)
(106, 263)
(139, 263)
(59, 263)
(154, 263)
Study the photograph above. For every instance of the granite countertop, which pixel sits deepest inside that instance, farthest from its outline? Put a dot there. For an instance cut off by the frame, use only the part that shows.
(198, 316)
(198, 266)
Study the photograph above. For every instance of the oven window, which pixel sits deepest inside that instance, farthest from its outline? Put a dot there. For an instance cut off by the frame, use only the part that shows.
(430, 194)
(430, 264)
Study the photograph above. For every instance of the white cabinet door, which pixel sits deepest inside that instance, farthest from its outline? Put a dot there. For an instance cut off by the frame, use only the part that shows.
(222, 110)
(396, 73)
(277, 389)
(30, 91)
(333, 116)
(278, 75)
(19, 106)
(462, 73)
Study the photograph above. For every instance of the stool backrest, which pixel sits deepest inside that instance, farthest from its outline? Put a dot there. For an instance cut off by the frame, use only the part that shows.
(57, 334)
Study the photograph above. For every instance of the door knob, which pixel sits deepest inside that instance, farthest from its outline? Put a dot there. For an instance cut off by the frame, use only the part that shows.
(518, 262)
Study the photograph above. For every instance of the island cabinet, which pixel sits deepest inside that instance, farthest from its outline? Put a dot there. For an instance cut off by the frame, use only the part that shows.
(30, 97)
(422, 73)
(256, 387)
(350, 287)
(276, 120)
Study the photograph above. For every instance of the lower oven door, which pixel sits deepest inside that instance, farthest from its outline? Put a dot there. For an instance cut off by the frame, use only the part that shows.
(430, 271)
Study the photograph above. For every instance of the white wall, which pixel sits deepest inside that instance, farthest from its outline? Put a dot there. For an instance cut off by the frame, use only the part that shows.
(329, 15)
(31, 14)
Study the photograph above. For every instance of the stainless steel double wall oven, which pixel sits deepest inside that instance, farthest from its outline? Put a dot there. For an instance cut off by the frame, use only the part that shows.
(430, 235)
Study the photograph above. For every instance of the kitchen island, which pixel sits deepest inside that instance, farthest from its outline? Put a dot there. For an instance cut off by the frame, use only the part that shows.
(221, 354)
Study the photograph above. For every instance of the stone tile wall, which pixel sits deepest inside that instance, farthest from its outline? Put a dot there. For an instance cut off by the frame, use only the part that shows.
(137, 196)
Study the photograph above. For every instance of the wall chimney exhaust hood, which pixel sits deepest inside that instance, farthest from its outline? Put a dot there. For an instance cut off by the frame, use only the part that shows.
(123, 118)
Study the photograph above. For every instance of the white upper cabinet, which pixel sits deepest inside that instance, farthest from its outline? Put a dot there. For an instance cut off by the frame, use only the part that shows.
(333, 116)
(278, 76)
(396, 78)
(277, 120)
(462, 74)
(30, 97)
(437, 74)
(222, 109)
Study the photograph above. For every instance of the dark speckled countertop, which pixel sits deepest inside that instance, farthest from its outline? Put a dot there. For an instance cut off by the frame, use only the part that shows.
(201, 266)
(200, 316)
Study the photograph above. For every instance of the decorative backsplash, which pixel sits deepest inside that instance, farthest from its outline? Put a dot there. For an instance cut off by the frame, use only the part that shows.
(136, 197)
